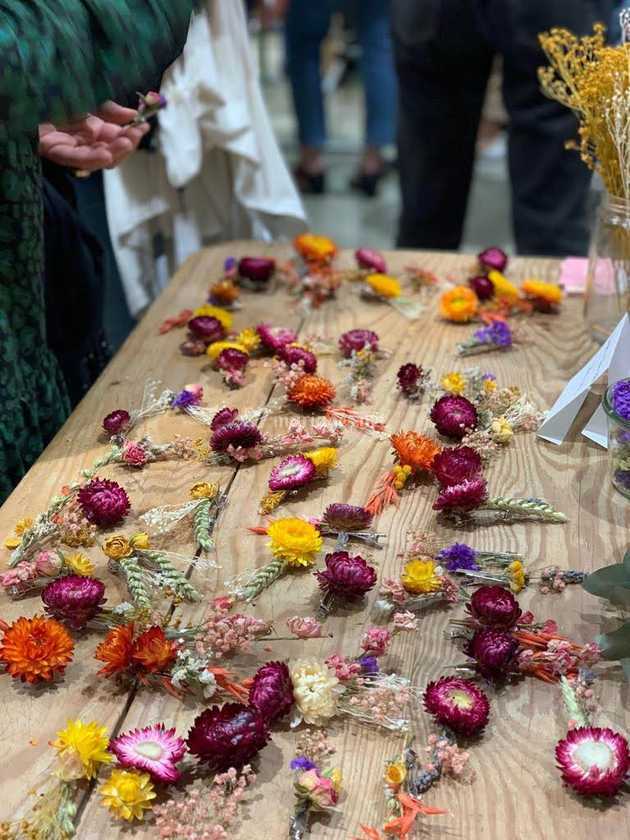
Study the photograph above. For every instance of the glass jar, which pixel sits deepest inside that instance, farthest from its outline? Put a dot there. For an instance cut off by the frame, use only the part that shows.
(618, 439)
(608, 278)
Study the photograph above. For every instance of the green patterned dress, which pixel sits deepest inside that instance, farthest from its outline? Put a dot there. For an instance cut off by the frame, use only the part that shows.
(58, 59)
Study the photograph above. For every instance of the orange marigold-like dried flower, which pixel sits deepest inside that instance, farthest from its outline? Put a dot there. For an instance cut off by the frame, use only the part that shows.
(34, 648)
(312, 391)
(153, 651)
(459, 304)
(313, 248)
(223, 292)
(116, 650)
(415, 450)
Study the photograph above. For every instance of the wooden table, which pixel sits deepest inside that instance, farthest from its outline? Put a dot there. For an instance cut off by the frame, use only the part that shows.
(517, 792)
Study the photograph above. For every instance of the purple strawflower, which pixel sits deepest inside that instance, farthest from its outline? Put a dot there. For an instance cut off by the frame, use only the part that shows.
(186, 398)
(103, 502)
(454, 416)
(223, 417)
(458, 556)
(409, 376)
(493, 259)
(236, 435)
(74, 599)
(116, 421)
(369, 664)
(342, 517)
(346, 577)
(620, 398)
(497, 333)
(482, 287)
(354, 341)
(206, 328)
(293, 472)
(302, 763)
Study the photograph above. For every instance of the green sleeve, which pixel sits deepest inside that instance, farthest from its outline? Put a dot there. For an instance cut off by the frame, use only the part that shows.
(60, 58)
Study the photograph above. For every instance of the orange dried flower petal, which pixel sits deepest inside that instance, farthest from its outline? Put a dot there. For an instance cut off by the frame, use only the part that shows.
(415, 450)
(312, 392)
(34, 648)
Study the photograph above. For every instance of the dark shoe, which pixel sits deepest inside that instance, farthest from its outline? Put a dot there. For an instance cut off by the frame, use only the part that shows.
(310, 183)
(368, 183)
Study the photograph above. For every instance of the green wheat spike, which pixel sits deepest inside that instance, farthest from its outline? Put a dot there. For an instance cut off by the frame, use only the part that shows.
(263, 578)
(174, 579)
(526, 508)
(203, 525)
(135, 582)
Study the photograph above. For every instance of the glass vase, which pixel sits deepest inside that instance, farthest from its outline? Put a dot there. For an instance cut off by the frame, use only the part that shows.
(618, 446)
(608, 278)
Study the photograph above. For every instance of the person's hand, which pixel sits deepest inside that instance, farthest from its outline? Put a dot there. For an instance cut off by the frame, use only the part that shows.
(97, 141)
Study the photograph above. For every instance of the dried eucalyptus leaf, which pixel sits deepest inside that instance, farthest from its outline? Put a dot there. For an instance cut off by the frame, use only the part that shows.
(611, 582)
(615, 645)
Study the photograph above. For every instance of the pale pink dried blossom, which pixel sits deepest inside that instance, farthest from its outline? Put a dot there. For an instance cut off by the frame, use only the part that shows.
(453, 760)
(286, 376)
(226, 634)
(405, 622)
(242, 454)
(345, 669)
(376, 640)
(383, 701)
(314, 744)
(395, 590)
(48, 563)
(423, 544)
(18, 578)
(450, 590)
(305, 627)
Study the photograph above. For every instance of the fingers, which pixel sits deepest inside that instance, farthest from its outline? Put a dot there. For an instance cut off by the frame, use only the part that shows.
(89, 158)
(114, 113)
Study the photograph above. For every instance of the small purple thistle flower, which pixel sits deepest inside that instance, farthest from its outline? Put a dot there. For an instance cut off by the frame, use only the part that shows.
(622, 478)
(302, 764)
(230, 265)
(458, 556)
(497, 333)
(369, 664)
(185, 398)
(620, 398)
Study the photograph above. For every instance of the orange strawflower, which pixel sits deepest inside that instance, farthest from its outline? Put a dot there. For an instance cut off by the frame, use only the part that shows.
(312, 391)
(34, 648)
(153, 651)
(313, 248)
(116, 650)
(459, 304)
(223, 292)
(415, 450)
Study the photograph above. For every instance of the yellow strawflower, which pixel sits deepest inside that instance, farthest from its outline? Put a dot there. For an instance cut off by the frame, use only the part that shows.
(501, 430)
(295, 540)
(217, 347)
(249, 338)
(128, 794)
(140, 540)
(383, 285)
(324, 459)
(23, 525)
(548, 292)
(503, 289)
(81, 748)
(419, 576)
(454, 383)
(209, 311)
(395, 774)
(79, 563)
(489, 386)
(203, 490)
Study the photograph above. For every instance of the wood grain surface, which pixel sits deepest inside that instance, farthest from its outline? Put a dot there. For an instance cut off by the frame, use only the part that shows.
(516, 793)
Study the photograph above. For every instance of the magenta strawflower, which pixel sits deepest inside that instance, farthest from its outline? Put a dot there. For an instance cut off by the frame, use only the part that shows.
(464, 497)
(452, 466)
(454, 416)
(342, 517)
(271, 691)
(594, 761)
(355, 340)
(256, 269)
(206, 329)
(232, 359)
(227, 736)
(238, 434)
(103, 502)
(274, 338)
(493, 651)
(74, 599)
(371, 260)
(493, 259)
(154, 749)
(494, 606)
(292, 355)
(223, 417)
(116, 421)
(482, 287)
(457, 704)
(409, 376)
(291, 473)
(346, 577)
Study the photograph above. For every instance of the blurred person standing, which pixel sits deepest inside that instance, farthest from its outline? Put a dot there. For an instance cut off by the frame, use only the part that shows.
(444, 51)
(307, 24)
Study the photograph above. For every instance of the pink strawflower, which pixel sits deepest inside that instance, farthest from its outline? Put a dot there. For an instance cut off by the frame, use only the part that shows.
(493, 651)
(236, 435)
(274, 338)
(299, 358)
(452, 466)
(457, 704)
(304, 627)
(494, 606)
(103, 502)
(153, 749)
(594, 761)
(370, 260)
(232, 359)
(271, 691)
(48, 563)
(404, 622)
(229, 736)
(410, 376)
(345, 669)
(346, 577)
(223, 417)
(467, 496)
(74, 599)
(493, 259)
(207, 329)
(291, 473)
(116, 421)
(376, 640)
(256, 269)
(134, 454)
(454, 416)
(355, 340)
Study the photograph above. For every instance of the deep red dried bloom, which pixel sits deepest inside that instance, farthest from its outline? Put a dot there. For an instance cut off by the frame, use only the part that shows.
(192, 347)
(355, 340)
(229, 736)
(452, 466)
(482, 287)
(74, 599)
(238, 434)
(458, 704)
(409, 377)
(293, 355)
(493, 259)
(467, 496)
(116, 421)
(256, 269)
(271, 691)
(594, 761)
(454, 416)
(207, 328)
(346, 577)
(493, 651)
(291, 473)
(494, 606)
(342, 517)
(232, 359)
(103, 502)
(273, 338)
(371, 260)
(223, 417)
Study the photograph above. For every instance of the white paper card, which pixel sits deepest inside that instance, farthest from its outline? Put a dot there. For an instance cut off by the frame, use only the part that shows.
(613, 357)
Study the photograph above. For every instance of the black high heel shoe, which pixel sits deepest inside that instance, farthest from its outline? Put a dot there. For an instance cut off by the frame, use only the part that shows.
(310, 183)
(367, 183)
